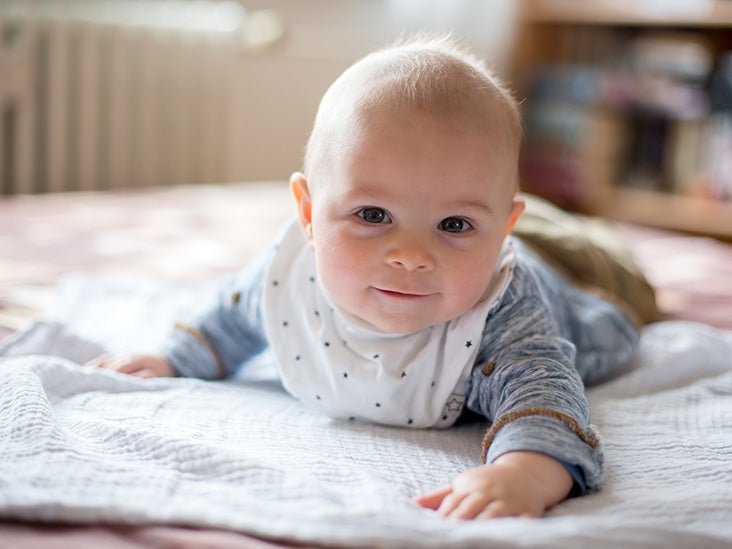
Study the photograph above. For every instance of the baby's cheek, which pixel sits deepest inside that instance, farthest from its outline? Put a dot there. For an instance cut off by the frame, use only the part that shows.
(339, 274)
(470, 285)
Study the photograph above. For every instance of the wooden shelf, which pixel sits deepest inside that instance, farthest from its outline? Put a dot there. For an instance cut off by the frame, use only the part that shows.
(669, 211)
(709, 14)
(566, 33)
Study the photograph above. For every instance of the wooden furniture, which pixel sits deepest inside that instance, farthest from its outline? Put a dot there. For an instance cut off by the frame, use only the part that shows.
(620, 120)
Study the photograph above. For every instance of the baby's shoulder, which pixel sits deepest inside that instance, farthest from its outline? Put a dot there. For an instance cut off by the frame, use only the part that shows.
(530, 273)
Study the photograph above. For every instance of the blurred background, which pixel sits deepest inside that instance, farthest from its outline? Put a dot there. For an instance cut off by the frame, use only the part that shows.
(627, 103)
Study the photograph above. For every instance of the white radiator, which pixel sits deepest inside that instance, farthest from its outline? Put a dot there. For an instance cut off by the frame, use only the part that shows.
(103, 95)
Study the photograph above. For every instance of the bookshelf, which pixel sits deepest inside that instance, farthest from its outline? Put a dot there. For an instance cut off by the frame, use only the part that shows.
(626, 111)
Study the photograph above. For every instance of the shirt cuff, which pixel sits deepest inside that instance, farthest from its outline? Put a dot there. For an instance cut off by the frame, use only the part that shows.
(191, 355)
(579, 488)
(551, 436)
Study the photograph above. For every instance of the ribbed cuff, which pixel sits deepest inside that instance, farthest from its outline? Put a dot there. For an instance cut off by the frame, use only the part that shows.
(546, 433)
(192, 355)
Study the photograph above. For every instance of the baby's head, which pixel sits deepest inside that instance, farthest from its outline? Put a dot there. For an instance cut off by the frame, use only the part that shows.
(410, 184)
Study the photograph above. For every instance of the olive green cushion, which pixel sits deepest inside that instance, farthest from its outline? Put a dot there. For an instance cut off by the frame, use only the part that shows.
(589, 252)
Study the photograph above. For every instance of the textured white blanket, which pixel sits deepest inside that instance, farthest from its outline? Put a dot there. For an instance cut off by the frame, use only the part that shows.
(83, 445)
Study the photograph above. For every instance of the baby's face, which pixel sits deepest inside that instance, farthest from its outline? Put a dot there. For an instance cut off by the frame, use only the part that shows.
(407, 225)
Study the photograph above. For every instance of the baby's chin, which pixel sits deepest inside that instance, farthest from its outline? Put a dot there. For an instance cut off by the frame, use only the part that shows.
(397, 325)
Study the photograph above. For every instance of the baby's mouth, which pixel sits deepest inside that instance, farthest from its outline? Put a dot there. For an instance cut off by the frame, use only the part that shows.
(400, 294)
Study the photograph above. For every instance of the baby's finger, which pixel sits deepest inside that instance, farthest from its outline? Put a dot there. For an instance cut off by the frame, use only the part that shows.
(145, 373)
(450, 503)
(123, 364)
(495, 509)
(433, 499)
(98, 362)
(530, 515)
(131, 367)
(470, 507)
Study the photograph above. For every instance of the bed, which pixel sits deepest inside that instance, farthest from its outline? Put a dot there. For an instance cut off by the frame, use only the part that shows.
(91, 459)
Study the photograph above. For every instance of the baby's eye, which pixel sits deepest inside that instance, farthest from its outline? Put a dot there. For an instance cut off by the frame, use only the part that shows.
(454, 225)
(374, 215)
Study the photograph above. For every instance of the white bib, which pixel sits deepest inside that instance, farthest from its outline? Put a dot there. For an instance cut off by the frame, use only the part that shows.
(352, 371)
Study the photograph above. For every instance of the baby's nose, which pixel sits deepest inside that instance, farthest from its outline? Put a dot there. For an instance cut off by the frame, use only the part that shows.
(410, 254)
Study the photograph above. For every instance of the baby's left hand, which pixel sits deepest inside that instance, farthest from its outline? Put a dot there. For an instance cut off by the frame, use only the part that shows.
(517, 484)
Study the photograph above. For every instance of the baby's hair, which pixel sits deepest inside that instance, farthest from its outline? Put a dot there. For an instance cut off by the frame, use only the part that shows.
(436, 75)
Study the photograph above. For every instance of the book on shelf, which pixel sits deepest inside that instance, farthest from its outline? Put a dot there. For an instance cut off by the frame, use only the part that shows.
(643, 117)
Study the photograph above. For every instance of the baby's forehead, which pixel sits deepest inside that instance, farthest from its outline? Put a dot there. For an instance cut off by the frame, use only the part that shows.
(362, 112)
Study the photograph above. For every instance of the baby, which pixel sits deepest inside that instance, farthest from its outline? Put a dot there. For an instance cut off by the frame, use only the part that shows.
(400, 298)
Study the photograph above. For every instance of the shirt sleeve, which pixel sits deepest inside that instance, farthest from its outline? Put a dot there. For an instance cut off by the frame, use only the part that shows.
(225, 331)
(527, 386)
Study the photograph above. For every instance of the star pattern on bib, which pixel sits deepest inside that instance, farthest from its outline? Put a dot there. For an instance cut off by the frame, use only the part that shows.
(454, 405)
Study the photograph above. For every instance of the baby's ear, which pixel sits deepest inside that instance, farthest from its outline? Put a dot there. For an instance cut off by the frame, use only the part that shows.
(517, 208)
(301, 192)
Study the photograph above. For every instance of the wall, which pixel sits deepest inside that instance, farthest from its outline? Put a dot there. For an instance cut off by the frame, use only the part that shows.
(276, 91)
(113, 93)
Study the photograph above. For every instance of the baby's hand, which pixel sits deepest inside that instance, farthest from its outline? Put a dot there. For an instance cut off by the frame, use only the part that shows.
(136, 365)
(517, 484)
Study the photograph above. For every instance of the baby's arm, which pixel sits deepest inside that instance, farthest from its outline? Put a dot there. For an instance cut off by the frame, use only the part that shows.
(224, 333)
(518, 483)
(541, 442)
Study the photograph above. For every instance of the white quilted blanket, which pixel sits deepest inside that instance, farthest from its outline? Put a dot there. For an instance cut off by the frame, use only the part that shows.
(83, 445)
